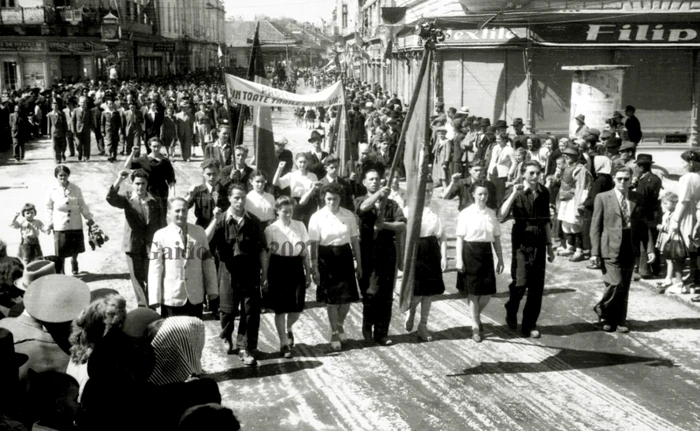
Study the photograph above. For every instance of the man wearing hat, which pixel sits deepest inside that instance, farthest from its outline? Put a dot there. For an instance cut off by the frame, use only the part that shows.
(518, 137)
(68, 111)
(58, 128)
(51, 299)
(185, 130)
(111, 123)
(648, 187)
(581, 128)
(634, 128)
(316, 155)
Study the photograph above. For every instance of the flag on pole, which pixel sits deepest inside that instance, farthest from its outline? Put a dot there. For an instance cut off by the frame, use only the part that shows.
(416, 139)
(220, 54)
(341, 143)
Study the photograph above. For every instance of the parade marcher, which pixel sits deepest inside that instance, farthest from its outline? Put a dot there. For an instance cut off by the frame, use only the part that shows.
(221, 149)
(144, 216)
(648, 187)
(68, 112)
(461, 187)
(236, 173)
(288, 271)
(96, 126)
(181, 270)
(203, 126)
(378, 245)
(161, 174)
(111, 123)
(20, 131)
(334, 241)
(29, 227)
(530, 238)
(259, 202)
(331, 166)
(82, 124)
(502, 164)
(153, 122)
(478, 230)
(685, 217)
(602, 183)
(204, 196)
(58, 128)
(431, 262)
(617, 214)
(240, 243)
(168, 133)
(186, 131)
(316, 155)
(132, 125)
(67, 207)
(303, 186)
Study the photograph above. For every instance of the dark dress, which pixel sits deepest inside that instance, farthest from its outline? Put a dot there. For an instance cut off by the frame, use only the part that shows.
(286, 284)
(428, 279)
(479, 276)
(337, 271)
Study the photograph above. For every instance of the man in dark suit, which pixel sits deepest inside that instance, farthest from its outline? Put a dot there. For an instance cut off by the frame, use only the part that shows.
(153, 118)
(18, 128)
(132, 127)
(462, 187)
(68, 112)
(355, 170)
(238, 172)
(58, 127)
(634, 128)
(221, 149)
(144, 216)
(82, 119)
(316, 155)
(617, 217)
(111, 129)
(331, 165)
(96, 127)
(648, 187)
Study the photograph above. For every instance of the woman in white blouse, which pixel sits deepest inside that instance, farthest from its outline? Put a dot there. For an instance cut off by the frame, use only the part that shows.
(477, 230)
(303, 185)
(501, 166)
(333, 240)
(431, 261)
(66, 207)
(288, 272)
(258, 202)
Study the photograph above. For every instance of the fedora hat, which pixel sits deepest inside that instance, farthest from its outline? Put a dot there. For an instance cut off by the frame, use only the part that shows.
(580, 117)
(571, 150)
(501, 124)
(644, 158)
(315, 136)
(33, 271)
(484, 122)
(627, 146)
(517, 122)
(56, 298)
(7, 349)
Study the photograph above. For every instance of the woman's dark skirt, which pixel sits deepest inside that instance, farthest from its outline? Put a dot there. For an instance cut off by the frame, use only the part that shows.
(286, 284)
(68, 242)
(303, 213)
(428, 271)
(30, 250)
(479, 276)
(337, 270)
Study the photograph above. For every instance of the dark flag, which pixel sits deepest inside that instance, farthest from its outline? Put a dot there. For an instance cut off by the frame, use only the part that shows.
(416, 136)
(341, 144)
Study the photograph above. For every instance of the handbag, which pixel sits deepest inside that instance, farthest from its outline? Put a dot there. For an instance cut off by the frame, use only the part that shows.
(675, 248)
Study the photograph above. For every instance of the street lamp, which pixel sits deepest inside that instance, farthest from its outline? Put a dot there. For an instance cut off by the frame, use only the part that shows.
(110, 35)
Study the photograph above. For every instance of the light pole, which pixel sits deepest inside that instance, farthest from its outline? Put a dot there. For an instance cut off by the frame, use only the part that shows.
(111, 35)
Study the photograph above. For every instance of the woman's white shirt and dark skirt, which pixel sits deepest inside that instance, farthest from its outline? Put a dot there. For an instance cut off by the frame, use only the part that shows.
(261, 206)
(299, 184)
(286, 280)
(67, 209)
(428, 280)
(478, 229)
(336, 266)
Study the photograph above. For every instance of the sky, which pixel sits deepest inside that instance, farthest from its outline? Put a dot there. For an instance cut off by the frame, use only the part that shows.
(300, 10)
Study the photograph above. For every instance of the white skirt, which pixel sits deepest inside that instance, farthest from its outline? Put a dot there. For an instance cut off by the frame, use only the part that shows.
(568, 212)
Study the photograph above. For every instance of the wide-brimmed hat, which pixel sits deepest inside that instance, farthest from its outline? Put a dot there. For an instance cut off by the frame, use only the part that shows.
(476, 121)
(613, 142)
(315, 136)
(56, 298)
(7, 349)
(33, 271)
(484, 122)
(570, 150)
(501, 124)
(517, 122)
(627, 146)
(644, 158)
(581, 118)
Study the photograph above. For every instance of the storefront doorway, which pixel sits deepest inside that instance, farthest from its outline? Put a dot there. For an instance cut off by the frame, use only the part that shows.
(9, 74)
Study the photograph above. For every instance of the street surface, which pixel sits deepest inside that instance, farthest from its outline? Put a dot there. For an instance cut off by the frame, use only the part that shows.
(575, 377)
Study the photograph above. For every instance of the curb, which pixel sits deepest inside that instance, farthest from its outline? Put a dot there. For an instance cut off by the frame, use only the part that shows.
(649, 285)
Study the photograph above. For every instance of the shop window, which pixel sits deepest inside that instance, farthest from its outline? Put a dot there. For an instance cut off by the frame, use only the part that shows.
(676, 138)
(10, 75)
(7, 3)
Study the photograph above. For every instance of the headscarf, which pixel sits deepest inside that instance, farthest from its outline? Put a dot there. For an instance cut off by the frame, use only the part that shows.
(178, 347)
(602, 164)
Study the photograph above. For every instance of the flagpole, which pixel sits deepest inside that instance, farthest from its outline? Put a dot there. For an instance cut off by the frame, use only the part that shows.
(249, 76)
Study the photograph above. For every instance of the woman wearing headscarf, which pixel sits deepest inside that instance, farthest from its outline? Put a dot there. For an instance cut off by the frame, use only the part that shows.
(602, 183)
(66, 207)
(178, 343)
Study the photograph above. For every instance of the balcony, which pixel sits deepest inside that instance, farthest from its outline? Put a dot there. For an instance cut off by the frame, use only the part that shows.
(22, 16)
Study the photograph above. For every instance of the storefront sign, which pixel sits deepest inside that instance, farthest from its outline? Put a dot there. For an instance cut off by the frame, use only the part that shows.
(164, 47)
(253, 94)
(487, 35)
(612, 33)
(70, 47)
(144, 48)
(11, 46)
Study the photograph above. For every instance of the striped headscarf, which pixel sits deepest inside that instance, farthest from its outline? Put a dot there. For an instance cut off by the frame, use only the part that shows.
(178, 347)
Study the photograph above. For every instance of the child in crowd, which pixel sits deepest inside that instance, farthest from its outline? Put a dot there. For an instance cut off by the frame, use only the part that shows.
(53, 399)
(29, 226)
(258, 202)
(666, 242)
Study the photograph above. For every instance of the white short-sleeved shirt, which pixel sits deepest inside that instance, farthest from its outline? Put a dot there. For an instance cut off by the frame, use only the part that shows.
(475, 225)
(430, 224)
(298, 183)
(333, 229)
(261, 206)
(295, 234)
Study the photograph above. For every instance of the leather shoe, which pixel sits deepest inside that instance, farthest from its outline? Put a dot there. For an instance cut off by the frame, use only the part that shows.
(367, 333)
(607, 327)
(512, 321)
(592, 265)
(535, 333)
(623, 329)
(385, 341)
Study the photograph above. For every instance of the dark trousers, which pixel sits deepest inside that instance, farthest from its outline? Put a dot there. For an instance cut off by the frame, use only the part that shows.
(586, 230)
(617, 276)
(376, 306)
(138, 269)
(645, 269)
(82, 141)
(247, 304)
(99, 140)
(188, 309)
(18, 148)
(133, 139)
(500, 184)
(527, 272)
(59, 147)
(70, 144)
(112, 144)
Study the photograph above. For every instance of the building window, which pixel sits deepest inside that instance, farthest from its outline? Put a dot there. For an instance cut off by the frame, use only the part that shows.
(344, 23)
(10, 74)
(7, 3)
